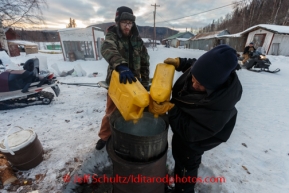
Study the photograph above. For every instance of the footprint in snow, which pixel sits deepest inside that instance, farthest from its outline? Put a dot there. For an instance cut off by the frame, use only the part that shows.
(209, 187)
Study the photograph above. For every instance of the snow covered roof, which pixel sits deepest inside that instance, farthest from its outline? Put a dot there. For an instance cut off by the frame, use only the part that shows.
(71, 29)
(237, 35)
(22, 42)
(208, 35)
(97, 28)
(183, 39)
(274, 28)
(146, 40)
(149, 40)
(178, 35)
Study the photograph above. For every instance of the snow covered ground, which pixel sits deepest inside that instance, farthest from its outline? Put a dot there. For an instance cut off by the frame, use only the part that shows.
(255, 158)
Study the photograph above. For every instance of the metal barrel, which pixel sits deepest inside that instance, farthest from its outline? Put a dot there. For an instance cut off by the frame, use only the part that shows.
(139, 141)
(140, 177)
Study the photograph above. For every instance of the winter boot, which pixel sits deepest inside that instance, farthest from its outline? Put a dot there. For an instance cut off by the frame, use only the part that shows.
(100, 144)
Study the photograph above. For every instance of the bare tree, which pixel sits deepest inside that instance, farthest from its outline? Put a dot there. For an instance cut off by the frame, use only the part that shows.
(286, 17)
(247, 13)
(272, 15)
(241, 7)
(19, 12)
(277, 12)
(261, 3)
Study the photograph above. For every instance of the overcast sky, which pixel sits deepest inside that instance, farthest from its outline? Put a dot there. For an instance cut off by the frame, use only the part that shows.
(87, 12)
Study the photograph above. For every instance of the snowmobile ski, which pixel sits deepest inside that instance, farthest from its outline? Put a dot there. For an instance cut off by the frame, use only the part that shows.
(264, 70)
(272, 71)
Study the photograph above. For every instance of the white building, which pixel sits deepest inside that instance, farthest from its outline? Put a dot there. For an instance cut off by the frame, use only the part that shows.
(273, 38)
(83, 43)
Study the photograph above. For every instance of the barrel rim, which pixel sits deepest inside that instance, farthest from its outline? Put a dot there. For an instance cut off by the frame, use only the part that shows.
(139, 136)
(20, 146)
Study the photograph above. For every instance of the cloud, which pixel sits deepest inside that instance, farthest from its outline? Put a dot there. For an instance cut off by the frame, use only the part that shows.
(89, 12)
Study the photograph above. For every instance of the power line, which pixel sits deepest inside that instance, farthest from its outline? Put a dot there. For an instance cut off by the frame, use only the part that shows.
(166, 22)
(200, 12)
(143, 16)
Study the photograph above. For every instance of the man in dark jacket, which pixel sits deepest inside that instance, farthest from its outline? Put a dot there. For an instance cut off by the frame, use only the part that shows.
(125, 52)
(249, 48)
(204, 114)
(247, 51)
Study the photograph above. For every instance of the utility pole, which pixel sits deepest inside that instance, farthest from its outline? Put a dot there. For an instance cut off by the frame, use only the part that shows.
(155, 5)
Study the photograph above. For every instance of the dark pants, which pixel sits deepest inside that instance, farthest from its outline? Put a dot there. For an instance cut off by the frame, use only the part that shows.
(105, 132)
(188, 157)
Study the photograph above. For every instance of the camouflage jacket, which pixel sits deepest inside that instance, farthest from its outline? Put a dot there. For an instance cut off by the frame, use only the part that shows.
(115, 50)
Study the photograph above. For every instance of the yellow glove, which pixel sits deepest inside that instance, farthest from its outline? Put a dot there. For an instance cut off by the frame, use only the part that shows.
(173, 61)
(159, 109)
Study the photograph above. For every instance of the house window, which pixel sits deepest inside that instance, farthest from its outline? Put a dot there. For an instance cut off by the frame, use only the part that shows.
(275, 48)
(259, 40)
(82, 49)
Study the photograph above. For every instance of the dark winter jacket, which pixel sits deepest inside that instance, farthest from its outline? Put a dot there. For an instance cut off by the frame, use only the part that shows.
(129, 51)
(249, 49)
(198, 115)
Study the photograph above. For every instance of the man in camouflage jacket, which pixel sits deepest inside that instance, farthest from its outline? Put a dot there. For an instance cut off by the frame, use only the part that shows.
(125, 52)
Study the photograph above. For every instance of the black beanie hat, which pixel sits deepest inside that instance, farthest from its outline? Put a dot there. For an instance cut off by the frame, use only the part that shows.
(124, 13)
(213, 68)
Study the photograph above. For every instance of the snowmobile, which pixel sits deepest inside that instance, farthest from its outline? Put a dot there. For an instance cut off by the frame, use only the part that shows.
(258, 62)
(22, 88)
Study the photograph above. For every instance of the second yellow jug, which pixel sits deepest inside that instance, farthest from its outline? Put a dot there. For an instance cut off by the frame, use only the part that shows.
(161, 87)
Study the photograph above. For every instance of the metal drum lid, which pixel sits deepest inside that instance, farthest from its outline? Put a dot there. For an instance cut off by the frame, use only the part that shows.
(18, 140)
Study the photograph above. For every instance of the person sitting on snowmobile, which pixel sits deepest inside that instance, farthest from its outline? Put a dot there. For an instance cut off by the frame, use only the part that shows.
(248, 51)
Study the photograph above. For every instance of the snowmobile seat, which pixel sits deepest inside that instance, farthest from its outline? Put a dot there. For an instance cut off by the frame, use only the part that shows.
(257, 62)
(32, 65)
(4, 87)
(20, 79)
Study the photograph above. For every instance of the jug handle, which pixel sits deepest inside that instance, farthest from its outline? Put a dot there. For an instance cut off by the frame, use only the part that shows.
(139, 113)
(6, 140)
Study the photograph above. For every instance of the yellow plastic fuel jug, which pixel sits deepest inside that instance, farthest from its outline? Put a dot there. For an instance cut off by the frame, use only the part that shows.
(161, 87)
(130, 99)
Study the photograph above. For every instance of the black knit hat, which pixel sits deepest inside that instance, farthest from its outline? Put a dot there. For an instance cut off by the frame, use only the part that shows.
(124, 13)
(213, 68)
